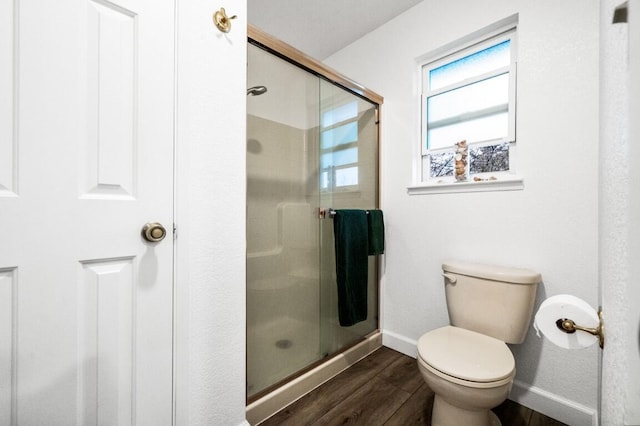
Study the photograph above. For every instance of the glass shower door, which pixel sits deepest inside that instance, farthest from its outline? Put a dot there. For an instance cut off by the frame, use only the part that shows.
(311, 145)
(348, 161)
(283, 285)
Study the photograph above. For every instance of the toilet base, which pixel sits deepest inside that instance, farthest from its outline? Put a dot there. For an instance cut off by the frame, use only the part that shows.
(445, 414)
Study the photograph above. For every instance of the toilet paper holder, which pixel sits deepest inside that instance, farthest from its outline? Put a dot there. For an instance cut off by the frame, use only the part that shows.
(570, 327)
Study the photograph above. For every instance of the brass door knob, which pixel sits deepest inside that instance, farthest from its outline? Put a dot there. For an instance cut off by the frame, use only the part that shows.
(153, 232)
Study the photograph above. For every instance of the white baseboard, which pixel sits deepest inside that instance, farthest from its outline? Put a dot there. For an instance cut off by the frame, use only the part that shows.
(400, 343)
(552, 405)
(537, 399)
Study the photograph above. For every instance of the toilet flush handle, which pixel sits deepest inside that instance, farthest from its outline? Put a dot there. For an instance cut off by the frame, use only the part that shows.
(452, 278)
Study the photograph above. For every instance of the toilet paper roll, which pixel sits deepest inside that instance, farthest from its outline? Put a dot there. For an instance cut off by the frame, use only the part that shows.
(566, 306)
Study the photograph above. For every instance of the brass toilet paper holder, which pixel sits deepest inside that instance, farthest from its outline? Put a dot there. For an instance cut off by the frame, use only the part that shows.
(570, 327)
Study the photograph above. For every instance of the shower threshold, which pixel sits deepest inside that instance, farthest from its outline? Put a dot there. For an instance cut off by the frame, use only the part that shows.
(266, 406)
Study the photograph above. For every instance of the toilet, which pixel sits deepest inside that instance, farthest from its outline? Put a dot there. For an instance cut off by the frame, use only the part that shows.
(467, 364)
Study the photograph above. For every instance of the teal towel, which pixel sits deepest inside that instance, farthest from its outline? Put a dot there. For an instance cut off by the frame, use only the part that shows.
(375, 223)
(350, 232)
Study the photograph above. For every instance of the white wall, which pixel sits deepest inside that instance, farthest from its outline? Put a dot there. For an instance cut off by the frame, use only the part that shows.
(211, 174)
(614, 209)
(632, 338)
(550, 226)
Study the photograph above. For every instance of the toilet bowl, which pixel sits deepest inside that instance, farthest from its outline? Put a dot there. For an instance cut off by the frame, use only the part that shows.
(468, 372)
(467, 364)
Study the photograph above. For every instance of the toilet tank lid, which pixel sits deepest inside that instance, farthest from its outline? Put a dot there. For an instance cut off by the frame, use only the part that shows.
(491, 272)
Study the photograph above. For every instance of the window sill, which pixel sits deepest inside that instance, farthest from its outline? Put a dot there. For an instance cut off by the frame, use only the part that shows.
(514, 183)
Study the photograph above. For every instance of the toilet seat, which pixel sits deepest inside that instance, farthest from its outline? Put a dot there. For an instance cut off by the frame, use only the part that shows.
(466, 357)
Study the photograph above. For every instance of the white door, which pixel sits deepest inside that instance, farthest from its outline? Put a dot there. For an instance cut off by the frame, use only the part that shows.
(86, 159)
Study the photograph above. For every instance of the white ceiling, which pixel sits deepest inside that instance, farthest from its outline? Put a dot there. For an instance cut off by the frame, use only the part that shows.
(320, 28)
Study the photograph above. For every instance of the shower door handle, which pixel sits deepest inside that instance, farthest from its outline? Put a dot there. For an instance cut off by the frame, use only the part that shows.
(327, 213)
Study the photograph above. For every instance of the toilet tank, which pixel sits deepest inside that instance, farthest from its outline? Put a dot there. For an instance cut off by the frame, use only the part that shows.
(492, 300)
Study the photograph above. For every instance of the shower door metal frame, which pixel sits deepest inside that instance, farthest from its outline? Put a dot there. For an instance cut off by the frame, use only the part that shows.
(296, 57)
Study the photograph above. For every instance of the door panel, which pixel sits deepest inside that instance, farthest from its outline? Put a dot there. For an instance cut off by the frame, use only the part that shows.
(7, 71)
(111, 138)
(7, 348)
(105, 341)
(86, 336)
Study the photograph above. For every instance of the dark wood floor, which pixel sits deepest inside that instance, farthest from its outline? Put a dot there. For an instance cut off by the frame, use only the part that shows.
(385, 388)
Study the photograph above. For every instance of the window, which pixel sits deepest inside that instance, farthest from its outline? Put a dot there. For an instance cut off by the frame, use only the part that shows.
(339, 147)
(468, 110)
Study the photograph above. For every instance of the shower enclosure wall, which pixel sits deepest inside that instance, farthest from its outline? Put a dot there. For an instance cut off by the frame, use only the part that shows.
(312, 145)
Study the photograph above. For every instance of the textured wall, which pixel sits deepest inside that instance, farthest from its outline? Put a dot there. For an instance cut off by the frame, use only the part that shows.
(619, 212)
(211, 150)
(613, 209)
(632, 338)
(550, 226)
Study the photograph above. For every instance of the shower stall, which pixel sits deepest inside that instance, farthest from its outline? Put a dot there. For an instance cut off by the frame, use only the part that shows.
(312, 146)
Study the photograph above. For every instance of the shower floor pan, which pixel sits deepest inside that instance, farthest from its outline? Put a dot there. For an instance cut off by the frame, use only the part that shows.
(277, 349)
(268, 405)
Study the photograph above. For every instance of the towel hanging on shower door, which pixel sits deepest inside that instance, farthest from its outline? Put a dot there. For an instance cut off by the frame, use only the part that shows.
(375, 232)
(351, 245)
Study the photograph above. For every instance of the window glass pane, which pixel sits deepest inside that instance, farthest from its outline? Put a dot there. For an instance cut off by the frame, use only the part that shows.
(478, 63)
(476, 112)
(339, 114)
(493, 158)
(339, 158)
(347, 176)
(473, 99)
(441, 164)
(344, 134)
(483, 129)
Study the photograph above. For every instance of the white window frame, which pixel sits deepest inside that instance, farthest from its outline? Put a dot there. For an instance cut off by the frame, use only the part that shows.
(495, 181)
